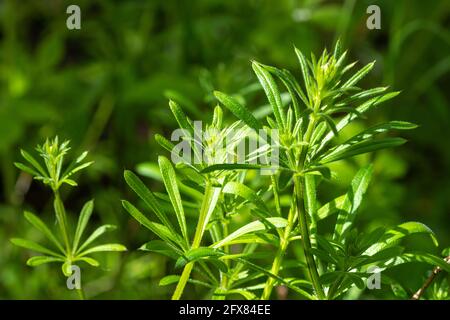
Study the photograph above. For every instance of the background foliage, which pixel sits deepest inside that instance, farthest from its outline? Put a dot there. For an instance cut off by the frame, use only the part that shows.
(105, 87)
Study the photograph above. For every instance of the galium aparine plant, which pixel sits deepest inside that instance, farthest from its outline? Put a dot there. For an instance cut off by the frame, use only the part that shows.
(213, 194)
(66, 246)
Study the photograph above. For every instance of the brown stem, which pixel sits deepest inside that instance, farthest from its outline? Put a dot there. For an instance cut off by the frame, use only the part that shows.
(428, 282)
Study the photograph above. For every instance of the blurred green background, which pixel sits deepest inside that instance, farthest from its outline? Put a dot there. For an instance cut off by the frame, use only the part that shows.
(105, 87)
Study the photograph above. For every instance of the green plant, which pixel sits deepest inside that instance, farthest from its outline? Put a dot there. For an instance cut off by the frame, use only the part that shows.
(68, 246)
(309, 127)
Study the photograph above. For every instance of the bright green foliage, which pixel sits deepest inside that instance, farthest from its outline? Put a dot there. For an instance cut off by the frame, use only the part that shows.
(68, 246)
(320, 108)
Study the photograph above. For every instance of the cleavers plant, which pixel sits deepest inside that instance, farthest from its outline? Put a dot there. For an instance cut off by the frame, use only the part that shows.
(217, 194)
(67, 246)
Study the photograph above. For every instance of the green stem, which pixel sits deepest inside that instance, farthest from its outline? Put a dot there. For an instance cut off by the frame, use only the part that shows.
(284, 243)
(81, 294)
(306, 240)
(334, 288)
(61, 217)
(276, 196)
(208, 204)
(183, 280)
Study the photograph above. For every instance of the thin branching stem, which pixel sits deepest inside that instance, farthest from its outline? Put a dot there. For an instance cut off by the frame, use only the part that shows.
(284, 243)
(209, 191)
(306, 240)
(429, 281)
(61, 216)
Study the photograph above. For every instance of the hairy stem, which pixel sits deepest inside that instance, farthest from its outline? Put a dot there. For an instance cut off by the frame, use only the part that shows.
(306, 240)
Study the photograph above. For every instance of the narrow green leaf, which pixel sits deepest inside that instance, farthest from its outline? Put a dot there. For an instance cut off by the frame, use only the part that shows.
(366, 106)
(197, 254)
(272, 93)
(170, 181)
(26, 169)
(370, 133)
(360, 148)
(394, 235)
(331, 207)
(28, 244)
(41, 226)
(76, 169)
(88, 260)
(238, 110)
(163, 142)
(291, 85)
(232, 166)
(160, 230)
(310, 201)
(38, 260)
(83, 220)
(277, 278)
(147, 196)
(244, 293)
(330, 123)
(304, 68)
(359, 75)
(416, 257)
(168, 280)
(183, 121)
(209, 202)
(254, 226)
(241, 190)
(109, 247)
(352, 202)
(337, 50)
(34, 163)
(96, 234)
(161, 247)
(172, 279)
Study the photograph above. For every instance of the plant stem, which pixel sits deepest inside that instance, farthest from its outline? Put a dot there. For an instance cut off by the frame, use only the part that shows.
(428, 282)
(284, 243)
(306, 241)
(62, 220)
(183, 280)
(81, 294)
(209, 200)
(276, 196)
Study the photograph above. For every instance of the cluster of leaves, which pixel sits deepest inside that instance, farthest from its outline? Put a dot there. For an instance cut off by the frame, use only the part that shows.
(215, 194)
(67, 246)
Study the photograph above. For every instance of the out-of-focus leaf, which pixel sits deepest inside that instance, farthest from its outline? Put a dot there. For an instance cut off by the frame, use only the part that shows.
(28, 244)
(38, 260)
(109, 247)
